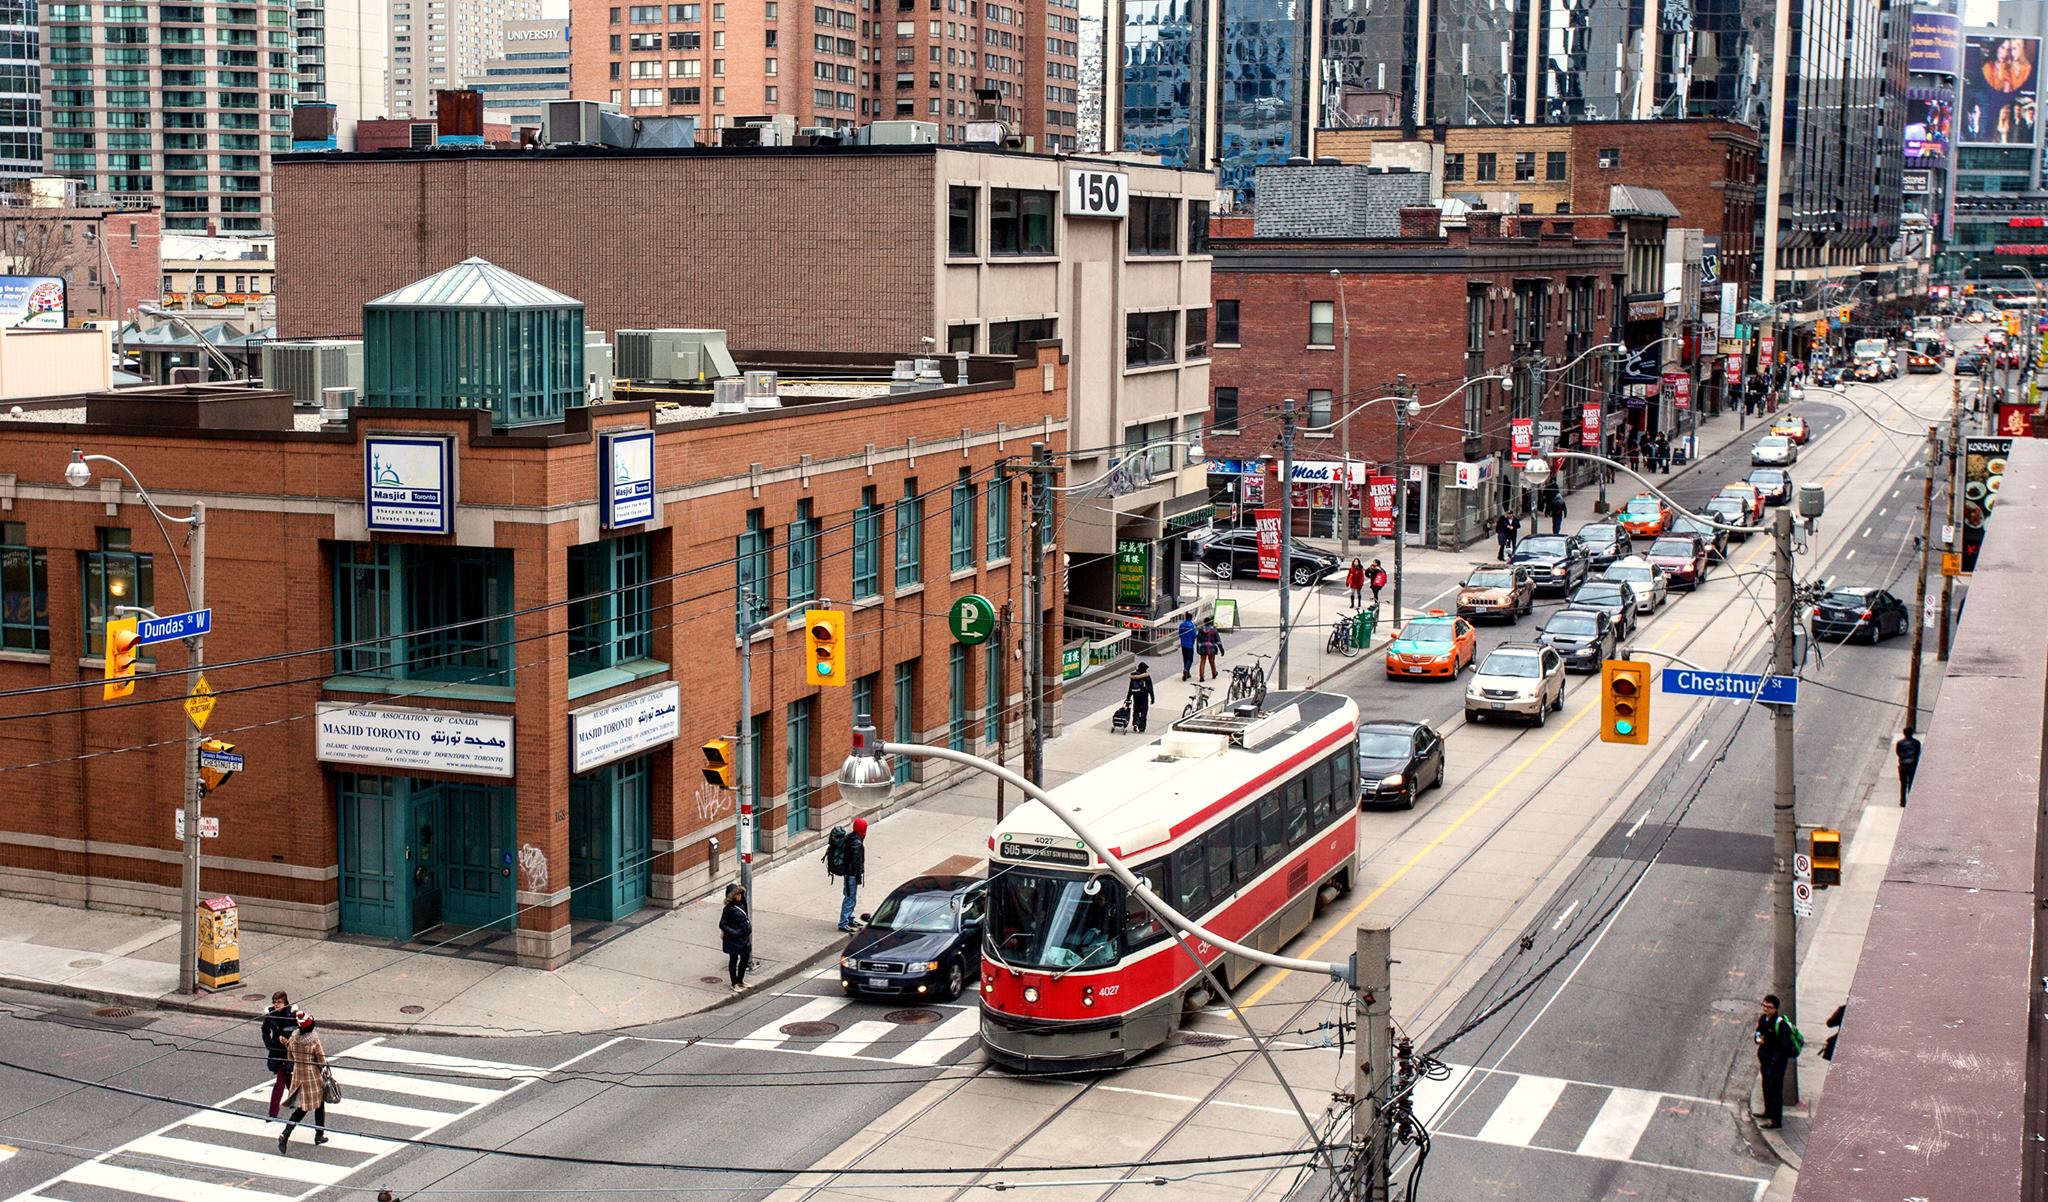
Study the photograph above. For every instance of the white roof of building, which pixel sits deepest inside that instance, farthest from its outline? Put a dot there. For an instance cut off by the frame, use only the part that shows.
(475, 284)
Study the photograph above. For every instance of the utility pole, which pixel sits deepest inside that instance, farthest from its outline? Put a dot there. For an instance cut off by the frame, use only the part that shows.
(1344, 426)
(1926, 549)
(1785, 821)
(188, 928)
(1402, 388)
(1371, 1132)
(1286, 534)
(1955, 463)
(1034, 618)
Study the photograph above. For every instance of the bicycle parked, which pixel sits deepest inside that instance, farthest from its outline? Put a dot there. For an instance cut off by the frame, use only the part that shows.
(1199, 702)
(1248, 682)
(1351, 630)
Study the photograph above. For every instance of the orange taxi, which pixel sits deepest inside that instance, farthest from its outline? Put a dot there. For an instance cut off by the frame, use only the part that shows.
(1645, 516)
(1435, 644)
(1747, 493)
(1791, 427)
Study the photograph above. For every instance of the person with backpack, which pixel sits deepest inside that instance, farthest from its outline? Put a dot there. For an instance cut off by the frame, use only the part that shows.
(1208, 645)
(736, 936)
(1376, 576)
(1354, 583)
(278, 1024)
(846, 857)
(1778, 1043)
(1188, 635)
(1140, 696)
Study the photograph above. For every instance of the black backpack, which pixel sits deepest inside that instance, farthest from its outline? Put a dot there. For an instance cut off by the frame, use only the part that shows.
(835, 851)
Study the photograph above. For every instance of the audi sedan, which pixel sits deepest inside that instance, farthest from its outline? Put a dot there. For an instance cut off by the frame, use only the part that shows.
(923, 941)
(1586, 638)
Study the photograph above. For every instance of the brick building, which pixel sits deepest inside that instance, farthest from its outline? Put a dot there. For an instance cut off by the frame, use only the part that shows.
(109, 255)
(950, 250)
(836, 64)
(373, 134)
(496, 728)
(1439, 305)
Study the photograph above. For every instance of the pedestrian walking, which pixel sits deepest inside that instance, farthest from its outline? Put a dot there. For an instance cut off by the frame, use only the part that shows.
(1504, 533)
(736, 936)
(1188, 635)
(1208, 645)
(309, 1084)
(1376, 576)
(1139, 696)
(1835, 1020)
(1664, 453)
(1908, 751)
(1777, 1042)
(853, 865)
(1553, 502)
(278, 1024)
(1354, 583)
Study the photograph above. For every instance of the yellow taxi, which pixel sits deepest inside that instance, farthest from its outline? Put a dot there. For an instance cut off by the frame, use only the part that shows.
(1791, 427)
(1744, 491)
(1433, 645)
(1646, 516)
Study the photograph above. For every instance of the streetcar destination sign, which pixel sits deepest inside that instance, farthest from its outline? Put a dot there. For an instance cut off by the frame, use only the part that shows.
(1771, 690)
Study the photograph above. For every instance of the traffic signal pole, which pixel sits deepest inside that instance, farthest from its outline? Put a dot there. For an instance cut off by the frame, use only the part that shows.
(1785, 821)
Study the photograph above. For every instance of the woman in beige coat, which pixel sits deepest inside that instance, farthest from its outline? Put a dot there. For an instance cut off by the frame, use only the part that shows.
(308, 1091)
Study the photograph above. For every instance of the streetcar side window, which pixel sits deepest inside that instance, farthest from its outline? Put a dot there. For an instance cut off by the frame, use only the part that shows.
(1190, 879)
(1347, 785)
(1320, 809)
(1272, 826)
(1221, 885)
(1319, 786)
(1141, 925)
(1245, 835)
(1297, 811)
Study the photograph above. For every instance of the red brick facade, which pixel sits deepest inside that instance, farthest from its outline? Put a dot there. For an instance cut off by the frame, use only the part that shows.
(1710, 170)
(111, 259)
(395, 133)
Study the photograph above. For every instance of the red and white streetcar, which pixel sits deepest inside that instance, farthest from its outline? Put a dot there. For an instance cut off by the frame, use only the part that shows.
(1239, 819)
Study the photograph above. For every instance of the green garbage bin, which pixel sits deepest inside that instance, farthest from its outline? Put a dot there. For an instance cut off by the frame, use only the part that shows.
(1361, 628)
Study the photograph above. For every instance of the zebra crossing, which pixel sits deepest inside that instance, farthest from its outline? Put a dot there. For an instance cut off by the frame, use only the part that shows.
(844, 1029)
(229, 1153)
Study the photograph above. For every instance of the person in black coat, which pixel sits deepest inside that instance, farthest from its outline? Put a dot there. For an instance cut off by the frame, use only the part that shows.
(736, 936)
(1140, 696)
(279, 1022)
(1774, 1053)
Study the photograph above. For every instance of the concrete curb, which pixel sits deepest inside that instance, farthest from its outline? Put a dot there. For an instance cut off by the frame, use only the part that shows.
(1773, 1139)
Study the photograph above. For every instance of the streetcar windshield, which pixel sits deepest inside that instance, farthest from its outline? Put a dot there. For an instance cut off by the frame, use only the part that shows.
(1041, 920)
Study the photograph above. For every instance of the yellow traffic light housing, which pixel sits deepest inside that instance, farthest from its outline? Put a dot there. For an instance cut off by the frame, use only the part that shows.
(1827, 857)
(824, 647)
(1625, 701)
(210, 776)
(720, 766)
(123, 639)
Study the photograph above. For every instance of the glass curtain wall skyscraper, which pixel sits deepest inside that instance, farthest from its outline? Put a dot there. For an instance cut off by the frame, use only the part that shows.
(21, 91)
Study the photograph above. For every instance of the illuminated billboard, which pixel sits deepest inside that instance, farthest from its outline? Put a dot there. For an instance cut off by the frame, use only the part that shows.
(1999, 87)
(31, 302)
(1930, 124)
(1936, 43)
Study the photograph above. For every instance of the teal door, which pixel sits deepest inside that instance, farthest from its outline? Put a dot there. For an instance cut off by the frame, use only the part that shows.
(475, 850)
(610, 840)
(376, 894)
(423, 803)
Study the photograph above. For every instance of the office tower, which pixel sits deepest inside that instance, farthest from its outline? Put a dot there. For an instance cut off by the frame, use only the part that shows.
(344, 50)
(436, 44)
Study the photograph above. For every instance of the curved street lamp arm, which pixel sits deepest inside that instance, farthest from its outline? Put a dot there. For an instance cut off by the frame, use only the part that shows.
(159, 516)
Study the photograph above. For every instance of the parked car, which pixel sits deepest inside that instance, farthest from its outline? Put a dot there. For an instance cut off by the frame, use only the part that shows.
(1615, 598)
(1397, 762)
(1497, 590)
(1773, 450)
(1586, 638)
(1645, 516)
(1558, 562)
(924, 940)
(1605, 543)
(1234, 554)
(1860, 612)
(1683, 557)
(1652, 586)
(1524, 679)
(1730, 510)
(1773, 484)
(1713, 536)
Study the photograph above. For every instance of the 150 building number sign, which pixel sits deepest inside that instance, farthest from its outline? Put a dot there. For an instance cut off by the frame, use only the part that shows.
(1098, 193)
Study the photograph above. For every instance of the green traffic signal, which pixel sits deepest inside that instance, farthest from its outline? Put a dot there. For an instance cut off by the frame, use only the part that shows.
(1624, 727)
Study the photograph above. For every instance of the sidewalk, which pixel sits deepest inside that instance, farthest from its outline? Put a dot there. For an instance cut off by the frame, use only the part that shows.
(670, 966)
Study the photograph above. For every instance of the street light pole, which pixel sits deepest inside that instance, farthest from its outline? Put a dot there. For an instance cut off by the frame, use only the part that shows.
(1926, 550)
(745, 814)
(1401, 388)
(1286, 533)
(1784, 801)
(1344, 431)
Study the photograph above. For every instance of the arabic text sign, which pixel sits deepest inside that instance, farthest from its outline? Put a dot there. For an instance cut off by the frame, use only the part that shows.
(624, 726)
(627, 490)
(429, 740)
(409, 483)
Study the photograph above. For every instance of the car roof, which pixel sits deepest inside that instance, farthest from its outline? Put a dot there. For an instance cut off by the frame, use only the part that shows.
(1494, 567)
(938, 884)
(1521, 648)
(1569, 610)
(1391, 726)
(1631, 561)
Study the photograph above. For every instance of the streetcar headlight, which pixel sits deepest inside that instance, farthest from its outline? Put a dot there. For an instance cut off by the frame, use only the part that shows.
(1088, 996)
(1031, 993)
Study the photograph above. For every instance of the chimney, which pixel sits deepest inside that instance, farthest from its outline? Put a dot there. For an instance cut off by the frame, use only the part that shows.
(1419, 221)
(460, 112)
(1484, 223)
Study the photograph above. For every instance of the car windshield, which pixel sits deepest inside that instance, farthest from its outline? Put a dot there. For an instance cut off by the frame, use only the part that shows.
(1724, 508)
(1672, 546)
(1491, 580)
(1628, 571)
(1599, 593)
(920, 911)
(1512, 663)
(1643, 505)
(1548, 545)
(1571, 623)
(1046, 920)
(1771, 442)
(1600, 533)
(1384, 745)
(1427, 630)
(1771, 479)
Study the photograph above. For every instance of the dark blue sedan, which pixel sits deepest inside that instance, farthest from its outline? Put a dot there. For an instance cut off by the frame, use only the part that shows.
(923, 941)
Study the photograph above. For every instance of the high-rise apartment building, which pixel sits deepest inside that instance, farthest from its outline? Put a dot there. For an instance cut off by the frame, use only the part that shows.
(179, 105)
(21, 91)
(533, 70)
(344, 50)
(436, 44)
(836, 63)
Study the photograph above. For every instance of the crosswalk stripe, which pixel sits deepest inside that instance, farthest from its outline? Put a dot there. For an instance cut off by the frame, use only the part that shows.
(770, 1034)
(408, 1086)
(944, 1039)
(1623, 1118)
(256, 1124)
(377, 1049)
(159, 1185)
(422, 1121)
(1518, 1116)
(1430, 1097)
(241, 1160)
(850, 1042)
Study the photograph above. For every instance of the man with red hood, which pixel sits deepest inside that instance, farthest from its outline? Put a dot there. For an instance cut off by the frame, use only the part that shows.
(856, 866)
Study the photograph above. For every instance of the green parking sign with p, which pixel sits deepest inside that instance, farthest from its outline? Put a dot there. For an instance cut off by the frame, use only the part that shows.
(972, 619)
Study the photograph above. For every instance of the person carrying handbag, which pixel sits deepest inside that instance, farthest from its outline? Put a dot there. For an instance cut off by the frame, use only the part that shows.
(311, 1081)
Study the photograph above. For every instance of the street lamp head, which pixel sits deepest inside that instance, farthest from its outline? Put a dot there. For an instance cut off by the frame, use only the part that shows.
(76, 474)
(1536, 471)
(864, 777)
(1197, 452)
(1335, 274)
(1507, 384)
(1414, 407)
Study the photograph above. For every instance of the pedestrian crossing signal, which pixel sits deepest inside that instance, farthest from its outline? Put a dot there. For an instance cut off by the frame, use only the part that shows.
(123, 639)
(1625, 701)
(824, 647)
(719, 765)
(1827, 857)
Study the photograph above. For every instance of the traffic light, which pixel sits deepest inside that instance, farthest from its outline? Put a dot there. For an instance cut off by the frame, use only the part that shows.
(824, 647)
(719, 765)
(1625, 701)
(1827, 857)
(122, 641)
(213, 771)
(1847, 311)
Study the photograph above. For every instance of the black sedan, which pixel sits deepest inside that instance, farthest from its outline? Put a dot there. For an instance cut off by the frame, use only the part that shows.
(1729, 511)
(1235, 554)
(1774, 484)
(1584, 637)
(1558, 561)
(1708, 533)
(1605, 543)
(1866, 613)
(1397, 761)
(1615, 598)
(923, 941)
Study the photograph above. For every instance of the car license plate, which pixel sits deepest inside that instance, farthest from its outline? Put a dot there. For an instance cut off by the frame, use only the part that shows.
(1500, 705)
(878, 983)
(1415, 671)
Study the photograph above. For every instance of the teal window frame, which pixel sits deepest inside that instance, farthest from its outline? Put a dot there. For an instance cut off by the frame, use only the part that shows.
(751, 564)
(956, 704)
(904, 701)
(798, 724)
(803, 554)
(963, 522)
(998, 524)
(864, 690)
(611, 604)
(910, 536)
(114, 574)
(992, 691)
(457, 599)
(24, 591)
(867, 547)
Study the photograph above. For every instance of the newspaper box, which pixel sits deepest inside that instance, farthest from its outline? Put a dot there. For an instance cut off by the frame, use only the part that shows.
(220, 944)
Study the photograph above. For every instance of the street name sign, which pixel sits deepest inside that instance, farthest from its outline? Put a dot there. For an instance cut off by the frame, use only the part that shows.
(1771, 690)
(221, 761)
(188, 625)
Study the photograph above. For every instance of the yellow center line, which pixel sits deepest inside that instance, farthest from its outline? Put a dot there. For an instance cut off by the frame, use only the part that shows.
(1350, 918)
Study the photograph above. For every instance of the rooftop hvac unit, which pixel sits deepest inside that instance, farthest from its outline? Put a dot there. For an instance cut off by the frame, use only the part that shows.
(422, 135)
(308, 369)
(728, 396)
(597, 371)
(574, 122)
(760, 390)
(674, 355)
(900, 133)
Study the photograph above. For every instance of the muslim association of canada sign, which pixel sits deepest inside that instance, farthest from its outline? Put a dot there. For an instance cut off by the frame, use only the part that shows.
(400, 737)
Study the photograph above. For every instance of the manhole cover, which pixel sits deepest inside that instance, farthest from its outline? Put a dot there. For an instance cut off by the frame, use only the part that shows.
(714, 980)
(412, 1009)
(1197, 1039)
(85, 963)
(114, 1012)
(252, 997)
(813, 1030)
(911, 1018)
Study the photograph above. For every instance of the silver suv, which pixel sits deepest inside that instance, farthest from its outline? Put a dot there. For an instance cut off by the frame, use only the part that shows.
(1516, 678)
